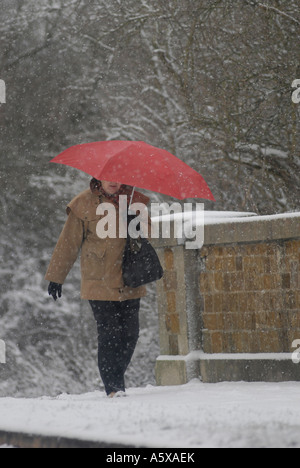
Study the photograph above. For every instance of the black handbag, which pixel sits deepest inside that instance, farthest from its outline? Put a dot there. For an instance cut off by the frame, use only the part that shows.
(141, 264)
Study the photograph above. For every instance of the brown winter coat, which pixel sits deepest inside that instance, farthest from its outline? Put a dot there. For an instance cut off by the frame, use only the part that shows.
(101, 259)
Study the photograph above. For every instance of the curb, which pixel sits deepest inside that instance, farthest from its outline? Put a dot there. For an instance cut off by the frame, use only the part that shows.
(22, 440)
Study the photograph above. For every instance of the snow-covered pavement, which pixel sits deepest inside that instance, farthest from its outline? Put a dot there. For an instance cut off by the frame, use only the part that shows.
(229, 414)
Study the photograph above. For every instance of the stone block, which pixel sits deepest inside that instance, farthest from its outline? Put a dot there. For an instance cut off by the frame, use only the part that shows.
(170, 280)
(213, 370)
(169, 259)
(172, 324)
(171, 302)
(170, 372)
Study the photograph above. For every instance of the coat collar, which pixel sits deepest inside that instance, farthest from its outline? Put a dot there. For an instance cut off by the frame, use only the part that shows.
(85, 204)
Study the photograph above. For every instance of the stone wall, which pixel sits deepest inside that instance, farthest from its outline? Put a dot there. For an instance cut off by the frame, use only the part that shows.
(251, 297)
(232, 305)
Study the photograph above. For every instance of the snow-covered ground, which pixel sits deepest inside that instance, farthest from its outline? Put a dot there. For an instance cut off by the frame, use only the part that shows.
(229, 414)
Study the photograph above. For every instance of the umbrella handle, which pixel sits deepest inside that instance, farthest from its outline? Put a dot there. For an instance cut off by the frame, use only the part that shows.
(131, 198)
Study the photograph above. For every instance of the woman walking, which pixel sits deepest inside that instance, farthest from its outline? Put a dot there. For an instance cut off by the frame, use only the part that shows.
(115, 306)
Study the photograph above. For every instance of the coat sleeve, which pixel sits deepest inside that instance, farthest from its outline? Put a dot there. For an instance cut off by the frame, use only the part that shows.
(66, 250)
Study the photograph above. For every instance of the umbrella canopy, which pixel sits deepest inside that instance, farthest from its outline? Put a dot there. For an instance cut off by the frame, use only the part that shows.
(137, 164)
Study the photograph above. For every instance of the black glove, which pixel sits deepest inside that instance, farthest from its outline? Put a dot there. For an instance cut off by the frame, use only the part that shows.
(54, 289)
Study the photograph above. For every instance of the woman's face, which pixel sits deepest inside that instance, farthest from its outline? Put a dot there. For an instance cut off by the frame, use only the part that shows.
(110, 187)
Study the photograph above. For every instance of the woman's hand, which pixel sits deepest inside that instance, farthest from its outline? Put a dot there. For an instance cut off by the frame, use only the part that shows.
(55, 289)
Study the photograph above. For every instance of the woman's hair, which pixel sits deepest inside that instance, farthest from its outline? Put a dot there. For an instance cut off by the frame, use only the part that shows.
(95, 186)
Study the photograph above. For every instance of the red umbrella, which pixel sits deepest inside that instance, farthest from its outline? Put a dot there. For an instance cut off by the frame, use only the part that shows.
(137, 164)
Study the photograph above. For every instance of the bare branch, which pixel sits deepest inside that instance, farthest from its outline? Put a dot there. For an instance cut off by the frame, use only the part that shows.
(276, 10)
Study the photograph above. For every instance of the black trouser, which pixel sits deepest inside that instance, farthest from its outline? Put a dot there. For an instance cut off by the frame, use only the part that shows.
(118, 333)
